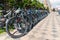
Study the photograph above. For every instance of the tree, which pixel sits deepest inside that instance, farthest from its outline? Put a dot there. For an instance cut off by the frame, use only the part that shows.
(23, 4)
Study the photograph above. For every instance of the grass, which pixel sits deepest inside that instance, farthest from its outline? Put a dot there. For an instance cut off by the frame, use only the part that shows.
(2, 30)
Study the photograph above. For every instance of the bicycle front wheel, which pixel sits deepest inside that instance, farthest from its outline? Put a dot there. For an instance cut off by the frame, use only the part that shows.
(12, 27)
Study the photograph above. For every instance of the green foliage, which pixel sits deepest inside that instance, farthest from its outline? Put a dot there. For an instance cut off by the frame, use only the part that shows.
(24, 3)
(2, 30)
(0, 8)
(34, 3)
(10, 3)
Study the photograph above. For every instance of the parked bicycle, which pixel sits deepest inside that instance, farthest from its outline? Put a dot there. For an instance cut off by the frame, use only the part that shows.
(19, 22)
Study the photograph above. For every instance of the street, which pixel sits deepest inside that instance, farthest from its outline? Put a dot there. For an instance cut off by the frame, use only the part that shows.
(47, 29)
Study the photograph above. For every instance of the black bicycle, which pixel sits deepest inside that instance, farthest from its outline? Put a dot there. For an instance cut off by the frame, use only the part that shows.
(20, 24)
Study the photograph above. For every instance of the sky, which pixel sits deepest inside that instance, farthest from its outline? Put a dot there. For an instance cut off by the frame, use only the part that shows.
(55, 3)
